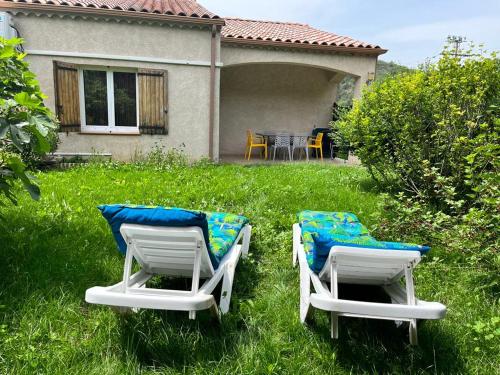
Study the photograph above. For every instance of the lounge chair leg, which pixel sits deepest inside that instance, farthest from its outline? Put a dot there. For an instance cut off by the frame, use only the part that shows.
(334, 326)
(413, 332)
(305, 294)
(246, 241)
(334, 290)
(295, 244)
(192, 315)
(227, 287)
(411, 300)
(215, 312)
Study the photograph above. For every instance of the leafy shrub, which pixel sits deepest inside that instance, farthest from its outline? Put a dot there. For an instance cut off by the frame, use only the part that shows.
(27, 127)
(433, 135)
(162, 159)
(430, 132)
(433, 132)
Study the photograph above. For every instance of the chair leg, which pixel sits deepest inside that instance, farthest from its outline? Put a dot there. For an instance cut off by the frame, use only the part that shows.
(305, 294)
(321, 153)
(290, 153)
(334, 325)
(411, 300)
(265, 152)
(249, 152)
(307, 153)
(227, 287)
(246, 241)
(274, 155)
(214, 310)
(413, 332)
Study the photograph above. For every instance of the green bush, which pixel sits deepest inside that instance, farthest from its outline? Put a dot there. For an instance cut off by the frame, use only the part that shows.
(27, 127)
(432, 132)
(433, 136)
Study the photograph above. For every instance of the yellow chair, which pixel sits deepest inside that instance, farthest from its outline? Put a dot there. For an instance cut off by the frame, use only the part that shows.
(255, 142)
(316, 144)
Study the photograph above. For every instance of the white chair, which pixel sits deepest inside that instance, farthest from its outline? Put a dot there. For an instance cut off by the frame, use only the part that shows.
(363, 266)
(171, 251)
(300, 143)
(282, 141)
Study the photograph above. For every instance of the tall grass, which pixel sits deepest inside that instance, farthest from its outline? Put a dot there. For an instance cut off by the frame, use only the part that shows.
(53, 250)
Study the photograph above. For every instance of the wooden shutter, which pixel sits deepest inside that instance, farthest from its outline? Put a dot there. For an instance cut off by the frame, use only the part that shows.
(67, 96)
(153, 101)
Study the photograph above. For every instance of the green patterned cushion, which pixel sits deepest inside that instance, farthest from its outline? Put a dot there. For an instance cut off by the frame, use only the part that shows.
(223, 230)
(323, 230)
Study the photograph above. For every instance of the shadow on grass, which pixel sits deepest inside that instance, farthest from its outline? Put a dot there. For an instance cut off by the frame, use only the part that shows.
(170, 339)
(379, 346)
(49, 257)
(56, 258)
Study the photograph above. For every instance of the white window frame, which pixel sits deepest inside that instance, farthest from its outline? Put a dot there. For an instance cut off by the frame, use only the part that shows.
(112, 127)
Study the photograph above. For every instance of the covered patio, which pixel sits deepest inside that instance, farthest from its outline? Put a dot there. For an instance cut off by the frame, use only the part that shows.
(271, 86)
(288, 98)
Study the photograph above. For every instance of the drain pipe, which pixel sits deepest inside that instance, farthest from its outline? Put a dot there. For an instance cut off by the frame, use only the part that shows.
(211, 120)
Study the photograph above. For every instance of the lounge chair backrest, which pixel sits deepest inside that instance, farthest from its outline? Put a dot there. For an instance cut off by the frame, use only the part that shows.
(171, 251)
(369, 266)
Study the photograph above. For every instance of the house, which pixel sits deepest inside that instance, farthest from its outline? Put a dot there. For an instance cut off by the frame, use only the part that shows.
(126, 75)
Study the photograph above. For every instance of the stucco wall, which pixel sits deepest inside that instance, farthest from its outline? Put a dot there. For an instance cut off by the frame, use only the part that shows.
(188, 87)
(356, 65)
(295, 91)
(272, 97)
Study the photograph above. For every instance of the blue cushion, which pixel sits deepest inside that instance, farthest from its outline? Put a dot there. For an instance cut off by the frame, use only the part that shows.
(118, 214)
(323, 230)
(220, 230)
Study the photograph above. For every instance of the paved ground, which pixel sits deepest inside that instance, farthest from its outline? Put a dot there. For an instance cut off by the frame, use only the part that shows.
(238, 159)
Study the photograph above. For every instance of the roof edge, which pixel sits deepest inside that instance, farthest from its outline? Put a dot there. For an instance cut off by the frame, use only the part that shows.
(267, 21)
(256, 42)
(48, 8)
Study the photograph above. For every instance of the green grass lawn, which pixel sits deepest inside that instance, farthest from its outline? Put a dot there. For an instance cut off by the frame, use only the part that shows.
(53, 250)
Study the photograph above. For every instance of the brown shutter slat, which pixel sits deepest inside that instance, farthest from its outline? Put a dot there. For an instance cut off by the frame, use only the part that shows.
(67, 96)
(153, 103)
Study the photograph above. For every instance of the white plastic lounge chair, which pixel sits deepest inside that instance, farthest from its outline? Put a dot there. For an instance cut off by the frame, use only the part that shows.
(357, 265)
(171, 251)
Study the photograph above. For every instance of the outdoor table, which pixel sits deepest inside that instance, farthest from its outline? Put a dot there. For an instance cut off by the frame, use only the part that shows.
(274, 133)
(269, 134)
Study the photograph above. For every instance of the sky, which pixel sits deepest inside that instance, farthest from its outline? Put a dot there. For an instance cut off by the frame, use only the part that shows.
(412, 30)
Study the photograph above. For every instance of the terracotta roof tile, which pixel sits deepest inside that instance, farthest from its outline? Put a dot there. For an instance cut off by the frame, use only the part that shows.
(235, 29)
(287, 32)
(188, 8)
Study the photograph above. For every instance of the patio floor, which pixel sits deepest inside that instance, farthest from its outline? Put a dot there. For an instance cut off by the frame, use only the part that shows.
(239, 159)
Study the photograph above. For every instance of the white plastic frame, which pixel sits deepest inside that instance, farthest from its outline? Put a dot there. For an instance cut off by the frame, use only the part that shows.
(172, 252)
(363, 266)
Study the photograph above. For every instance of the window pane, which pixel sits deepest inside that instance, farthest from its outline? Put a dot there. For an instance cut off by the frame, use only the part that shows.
(125, 99)
(96, 97)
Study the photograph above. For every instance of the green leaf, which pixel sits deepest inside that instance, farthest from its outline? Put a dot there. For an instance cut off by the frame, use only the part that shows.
(24, 99)
(33, 189)
(19, 136)
(7, 52)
